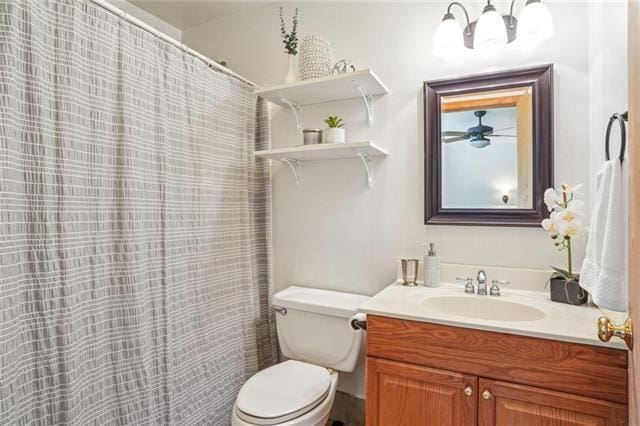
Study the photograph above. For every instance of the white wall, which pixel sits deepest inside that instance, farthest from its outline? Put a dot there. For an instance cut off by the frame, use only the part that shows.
(607, 73)
(148, 18)
(334, 232)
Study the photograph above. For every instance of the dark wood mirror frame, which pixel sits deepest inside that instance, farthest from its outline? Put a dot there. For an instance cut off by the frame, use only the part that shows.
(540, 78)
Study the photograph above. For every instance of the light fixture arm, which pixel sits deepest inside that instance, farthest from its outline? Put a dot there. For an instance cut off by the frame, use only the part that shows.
(464, 9)
(513, 2)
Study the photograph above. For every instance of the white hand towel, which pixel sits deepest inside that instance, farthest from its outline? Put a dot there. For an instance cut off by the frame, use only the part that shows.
(604, 270)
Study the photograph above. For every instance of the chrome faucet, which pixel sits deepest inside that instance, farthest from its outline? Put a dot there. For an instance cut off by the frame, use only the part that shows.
(468, 288)
(495, 290)
(482, 283)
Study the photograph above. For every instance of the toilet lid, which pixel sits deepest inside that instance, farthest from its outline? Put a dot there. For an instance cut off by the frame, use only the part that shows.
(285, 389)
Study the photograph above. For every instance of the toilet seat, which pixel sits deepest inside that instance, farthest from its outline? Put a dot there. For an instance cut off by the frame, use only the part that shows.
(282, 392)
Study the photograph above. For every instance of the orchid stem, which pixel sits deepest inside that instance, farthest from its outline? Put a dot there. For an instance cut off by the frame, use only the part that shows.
(568, 239)
(569, 258)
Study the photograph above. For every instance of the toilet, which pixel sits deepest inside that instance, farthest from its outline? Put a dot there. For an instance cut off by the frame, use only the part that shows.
(317, 337)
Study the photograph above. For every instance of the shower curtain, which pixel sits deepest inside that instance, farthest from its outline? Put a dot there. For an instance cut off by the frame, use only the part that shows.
(134, 225)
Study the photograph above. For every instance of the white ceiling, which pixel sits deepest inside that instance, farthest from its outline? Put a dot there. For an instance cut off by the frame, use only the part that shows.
(184, 14)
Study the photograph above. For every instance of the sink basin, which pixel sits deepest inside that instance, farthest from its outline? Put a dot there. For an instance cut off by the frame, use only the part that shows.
(483, 307)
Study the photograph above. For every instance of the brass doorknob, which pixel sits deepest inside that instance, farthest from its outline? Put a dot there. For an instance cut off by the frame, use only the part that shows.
(607, 329)
(486, 394)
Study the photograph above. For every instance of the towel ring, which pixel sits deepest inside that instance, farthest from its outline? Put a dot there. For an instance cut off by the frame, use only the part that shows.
(620, 118)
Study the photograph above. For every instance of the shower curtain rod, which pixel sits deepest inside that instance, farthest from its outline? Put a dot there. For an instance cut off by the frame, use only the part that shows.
(137, 22)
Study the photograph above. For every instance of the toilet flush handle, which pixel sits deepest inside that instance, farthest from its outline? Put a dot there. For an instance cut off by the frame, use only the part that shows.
(358, 324)
(280, 310)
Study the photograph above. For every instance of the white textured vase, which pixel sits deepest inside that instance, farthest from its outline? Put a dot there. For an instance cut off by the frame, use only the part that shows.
(292, 75)
(334, 135)
(316, 58)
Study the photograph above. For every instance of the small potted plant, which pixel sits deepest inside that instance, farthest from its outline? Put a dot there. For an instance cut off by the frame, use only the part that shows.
(290, 41)
(334, 132)
(563, 225)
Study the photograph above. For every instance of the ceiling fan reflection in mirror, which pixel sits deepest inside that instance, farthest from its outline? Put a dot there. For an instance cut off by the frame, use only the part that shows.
(476, 135)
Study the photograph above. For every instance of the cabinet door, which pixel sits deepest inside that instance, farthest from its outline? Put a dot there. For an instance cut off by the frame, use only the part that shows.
(506, 404)
(400, 394)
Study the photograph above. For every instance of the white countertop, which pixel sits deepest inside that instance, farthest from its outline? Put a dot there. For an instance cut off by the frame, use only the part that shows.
(560, 322)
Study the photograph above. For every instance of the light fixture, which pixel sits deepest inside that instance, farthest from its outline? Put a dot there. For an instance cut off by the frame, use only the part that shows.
(492, 30)
(505, 196)
(535, 22)
(448, 39)
(479, 142)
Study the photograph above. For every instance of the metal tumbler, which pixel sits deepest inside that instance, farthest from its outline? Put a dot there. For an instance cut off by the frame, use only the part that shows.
(409, 271)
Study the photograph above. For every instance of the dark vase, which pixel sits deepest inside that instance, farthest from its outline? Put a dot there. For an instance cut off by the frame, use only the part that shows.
(569, 292)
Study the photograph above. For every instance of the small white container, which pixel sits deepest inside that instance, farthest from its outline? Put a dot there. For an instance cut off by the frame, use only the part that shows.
(334, 135)
(431, 267)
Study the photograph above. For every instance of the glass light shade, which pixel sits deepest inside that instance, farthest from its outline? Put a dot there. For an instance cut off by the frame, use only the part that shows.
(480, 142)
(448, 39)
(534, 23)
(490, 31)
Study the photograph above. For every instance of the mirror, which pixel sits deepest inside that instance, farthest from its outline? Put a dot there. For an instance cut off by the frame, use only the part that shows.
(486, 137)
(488, 148)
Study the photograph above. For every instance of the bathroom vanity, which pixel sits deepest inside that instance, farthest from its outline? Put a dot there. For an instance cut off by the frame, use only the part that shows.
(428, 364)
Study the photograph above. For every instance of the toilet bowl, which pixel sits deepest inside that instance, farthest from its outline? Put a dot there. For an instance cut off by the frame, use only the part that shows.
(316, 335)
(286, 397)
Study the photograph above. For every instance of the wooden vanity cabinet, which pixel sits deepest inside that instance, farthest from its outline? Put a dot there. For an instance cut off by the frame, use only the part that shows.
(435, 375)
(411, 395)
(508, 404)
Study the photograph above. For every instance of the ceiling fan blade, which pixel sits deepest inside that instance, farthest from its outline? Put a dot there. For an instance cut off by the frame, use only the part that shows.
(504, 128)
(453, 133)
(454, 139)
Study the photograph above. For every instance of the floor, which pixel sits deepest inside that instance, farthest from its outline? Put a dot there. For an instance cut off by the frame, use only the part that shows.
(347, 410)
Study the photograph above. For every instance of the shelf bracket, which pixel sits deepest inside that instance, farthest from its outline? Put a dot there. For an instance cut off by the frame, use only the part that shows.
(295, 167)
(297, 111)
(367, 162)
(368, 102)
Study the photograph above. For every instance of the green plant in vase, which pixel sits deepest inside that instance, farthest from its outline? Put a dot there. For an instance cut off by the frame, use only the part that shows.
(290, 41)
(334, 133)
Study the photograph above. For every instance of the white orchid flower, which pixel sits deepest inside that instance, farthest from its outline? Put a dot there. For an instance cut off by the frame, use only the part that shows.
(550, 226)
(570, 229)
(556, 217)
(564, 219)
(552, 198)
(573, 210)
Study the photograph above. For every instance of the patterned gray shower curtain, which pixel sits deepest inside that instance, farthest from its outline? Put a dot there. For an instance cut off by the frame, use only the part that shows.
(134, 225)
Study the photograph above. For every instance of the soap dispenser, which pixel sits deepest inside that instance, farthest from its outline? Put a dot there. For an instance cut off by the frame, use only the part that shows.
(431, 267)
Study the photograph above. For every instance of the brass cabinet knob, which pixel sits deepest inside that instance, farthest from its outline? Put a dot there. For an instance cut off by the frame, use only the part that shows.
(468, 391)
(607, 329)
(486, 394)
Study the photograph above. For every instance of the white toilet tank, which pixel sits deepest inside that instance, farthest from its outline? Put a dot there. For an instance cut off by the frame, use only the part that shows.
(315, 326)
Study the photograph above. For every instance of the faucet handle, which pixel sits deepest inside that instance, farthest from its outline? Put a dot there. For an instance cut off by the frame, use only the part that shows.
(468, 288)
(495, 289)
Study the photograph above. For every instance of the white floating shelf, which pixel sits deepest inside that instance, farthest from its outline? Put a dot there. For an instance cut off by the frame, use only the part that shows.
(327, 89)
(358, 84)
(323, 151)
(293, 157)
